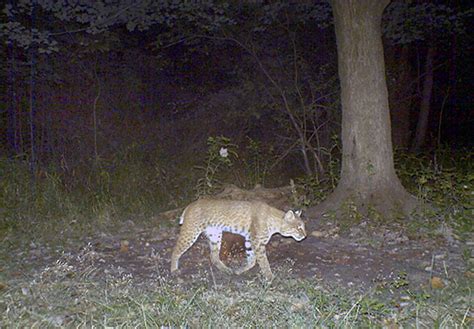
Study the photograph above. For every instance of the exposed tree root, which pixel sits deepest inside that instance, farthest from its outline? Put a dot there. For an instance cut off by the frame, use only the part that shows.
(277, 197)
(390, 202)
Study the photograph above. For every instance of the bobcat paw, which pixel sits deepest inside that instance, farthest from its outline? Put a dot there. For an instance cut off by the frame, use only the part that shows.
(239, 271)
(228, 271)
(173, 268)
(225, 269)
(268, 276)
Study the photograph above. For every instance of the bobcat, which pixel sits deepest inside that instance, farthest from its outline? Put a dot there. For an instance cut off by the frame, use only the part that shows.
(255, 221)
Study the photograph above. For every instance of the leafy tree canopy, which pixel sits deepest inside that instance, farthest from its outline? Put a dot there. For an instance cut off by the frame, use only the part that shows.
(40, 23)
(409, 21)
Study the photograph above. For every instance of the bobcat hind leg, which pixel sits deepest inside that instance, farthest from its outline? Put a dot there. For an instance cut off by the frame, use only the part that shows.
(251, 260)
(215, 239)
(186, 239)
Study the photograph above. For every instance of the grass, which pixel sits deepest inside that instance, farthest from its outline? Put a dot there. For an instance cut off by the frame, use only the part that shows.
(61, 207)
(53, 297)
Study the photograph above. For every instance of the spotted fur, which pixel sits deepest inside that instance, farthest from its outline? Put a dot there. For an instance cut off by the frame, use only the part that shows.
(255, 221)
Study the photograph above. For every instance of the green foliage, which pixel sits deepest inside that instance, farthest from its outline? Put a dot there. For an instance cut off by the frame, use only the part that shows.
(257, 162)
(128, 184)
(175, 18)
(446, 180)
(133, 182)
(138, 184)
(409, 21)
(400, 281)
(221, 154)
(334, 163)
(23, 195)
(308, 191)
(313, 189)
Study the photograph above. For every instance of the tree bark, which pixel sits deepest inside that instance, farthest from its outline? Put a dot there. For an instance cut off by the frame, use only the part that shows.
(368, 177)
(423, 116)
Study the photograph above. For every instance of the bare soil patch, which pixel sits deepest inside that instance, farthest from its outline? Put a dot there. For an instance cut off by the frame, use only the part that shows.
(360, 258)
(361, 276)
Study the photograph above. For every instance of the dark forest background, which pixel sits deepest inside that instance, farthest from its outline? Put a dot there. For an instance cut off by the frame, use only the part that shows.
(116, 114)
(117, 110)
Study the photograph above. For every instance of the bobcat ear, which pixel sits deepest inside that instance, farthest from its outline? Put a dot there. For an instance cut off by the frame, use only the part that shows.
(298, 212)
(289, 215)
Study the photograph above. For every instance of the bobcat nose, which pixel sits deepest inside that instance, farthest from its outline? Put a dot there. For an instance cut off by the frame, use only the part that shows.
(301, 234)
(303, 231)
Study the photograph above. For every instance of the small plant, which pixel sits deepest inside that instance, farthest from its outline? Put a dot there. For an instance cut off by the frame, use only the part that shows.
(445, 180)
(400, 281)
(258, 162)
(220, 155)
(334, 164)
(468, 259)
(308, 190)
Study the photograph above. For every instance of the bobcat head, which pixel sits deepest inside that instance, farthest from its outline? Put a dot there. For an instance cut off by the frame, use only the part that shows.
(293, 226)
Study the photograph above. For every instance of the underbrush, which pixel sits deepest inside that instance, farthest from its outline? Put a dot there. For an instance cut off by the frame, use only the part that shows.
(71, 202)
(445, 180)
(57, 199)
(53, 201)
(135, 185)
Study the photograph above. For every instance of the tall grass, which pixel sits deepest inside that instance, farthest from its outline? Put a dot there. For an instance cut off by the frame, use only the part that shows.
(137, 184)
(129, 186)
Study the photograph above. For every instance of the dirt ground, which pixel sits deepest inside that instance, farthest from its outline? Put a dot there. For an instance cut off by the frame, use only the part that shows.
(358, 258)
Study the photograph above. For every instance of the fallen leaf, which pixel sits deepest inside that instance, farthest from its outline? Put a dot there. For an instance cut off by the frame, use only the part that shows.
(317, 234)
(2, 285)
(70, 275)
(436, 283)
(124, 246)
(469, 274)
(390, 324)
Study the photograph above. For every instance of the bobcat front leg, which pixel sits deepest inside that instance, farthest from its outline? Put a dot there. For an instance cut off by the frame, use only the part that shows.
(263, 262)
(251, 260)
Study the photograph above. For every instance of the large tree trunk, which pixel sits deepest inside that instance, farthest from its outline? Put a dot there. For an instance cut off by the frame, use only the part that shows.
(368, 176)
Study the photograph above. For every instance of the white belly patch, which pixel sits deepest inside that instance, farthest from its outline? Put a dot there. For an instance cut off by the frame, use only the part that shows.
(214, 233)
